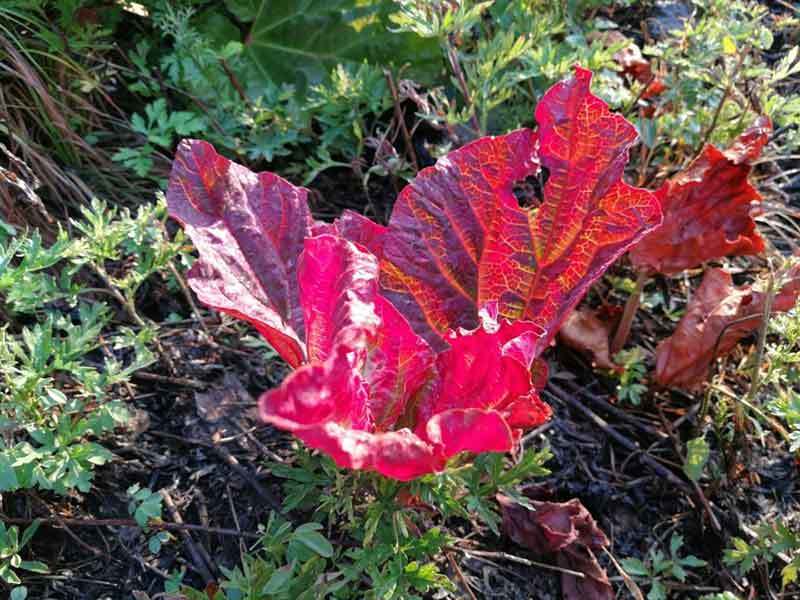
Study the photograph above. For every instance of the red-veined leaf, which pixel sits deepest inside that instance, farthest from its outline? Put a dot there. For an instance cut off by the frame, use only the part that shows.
(458, 239)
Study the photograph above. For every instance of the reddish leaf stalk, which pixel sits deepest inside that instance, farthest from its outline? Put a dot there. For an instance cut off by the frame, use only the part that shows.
(631, 306)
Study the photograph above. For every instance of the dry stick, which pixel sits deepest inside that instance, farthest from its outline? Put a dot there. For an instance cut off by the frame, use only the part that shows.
(755, 382)
(160, 526)
(247, 476)
(179, 381)
(199, 555)
(629, 109)
(631, 306)
(712, 364)
(460, 574)
(769, 420)
(559, 394)
(633, 588)
(455, 65)
(188, 295)
(401, 121)
(617, 412)
(718, 110)
(522, 561)
(234, 81)
(184, 287)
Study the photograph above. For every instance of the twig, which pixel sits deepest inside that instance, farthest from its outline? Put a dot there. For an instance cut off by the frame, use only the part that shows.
(199, 555)
(179, 381)
(755, 381)
(455, 65)
(234, 81)
(698, 490)
(157, 525)
(633, 588)
(231, 461)
(627, 111)
(130, 308)
(559, 394)
(188, 294)
(712, 364)
(520, 560)
(617, 412)
(401, 121)
(460, 574)
(718, 111)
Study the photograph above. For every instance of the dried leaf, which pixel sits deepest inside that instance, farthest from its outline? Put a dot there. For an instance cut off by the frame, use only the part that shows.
(708, 209)
(717, 318)
(566, 530)
(585, 332)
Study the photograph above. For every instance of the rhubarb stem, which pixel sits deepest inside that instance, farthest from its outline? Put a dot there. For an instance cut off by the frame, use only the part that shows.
(624, 327)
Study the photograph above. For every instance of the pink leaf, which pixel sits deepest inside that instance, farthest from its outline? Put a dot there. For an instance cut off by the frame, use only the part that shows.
(338, 288)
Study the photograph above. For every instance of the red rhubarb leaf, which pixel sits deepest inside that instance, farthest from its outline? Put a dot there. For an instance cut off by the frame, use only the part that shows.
(458, 239)
(248, 229)
(379, 401)
(708, 209)
(717, 318)
(338, 288)
(567, 531)
(359, 229)
(487, 369)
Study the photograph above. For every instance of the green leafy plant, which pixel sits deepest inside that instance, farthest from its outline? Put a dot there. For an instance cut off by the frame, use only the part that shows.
(697, 454)
(717, 80)
(11, 546)
(771, 540)
(56, 402)
(286, 563)
(144, 505)
(630, 389)
(160, 128)
(658, 567)
(396, 550)
(783, 374)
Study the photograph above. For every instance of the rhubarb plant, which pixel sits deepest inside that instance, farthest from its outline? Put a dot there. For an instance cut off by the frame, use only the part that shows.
(420, 340)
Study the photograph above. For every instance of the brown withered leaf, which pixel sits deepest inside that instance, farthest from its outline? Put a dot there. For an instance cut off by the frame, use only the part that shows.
(708, 209)
(567, 531)
(632, 62)
(717, 318)
(584, 331)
